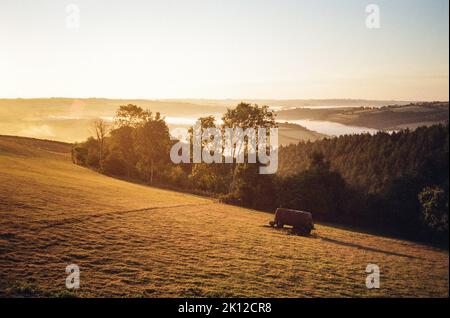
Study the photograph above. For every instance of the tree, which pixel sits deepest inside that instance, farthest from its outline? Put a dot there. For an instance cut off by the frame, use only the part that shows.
(122, 145)
(127, 120)
(101, 130)
(252, 189)
(131, 116)
(247, 116)
(115, 164)
(205, 123)
(317, 189)
(318, 162)
(152, 145)
(434, 201)
(210, 178)
(79, 154)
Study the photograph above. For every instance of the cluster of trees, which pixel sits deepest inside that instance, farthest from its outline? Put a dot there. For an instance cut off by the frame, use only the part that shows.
(391, 182)
(136, 147)
(372, 162)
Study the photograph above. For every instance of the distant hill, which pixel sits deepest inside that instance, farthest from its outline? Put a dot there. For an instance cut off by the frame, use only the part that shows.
(95, 107)
(387, 117)
(293, 103)
(293, 133)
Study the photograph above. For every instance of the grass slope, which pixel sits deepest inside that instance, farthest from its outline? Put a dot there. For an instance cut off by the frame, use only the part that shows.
(293, 134)
(132, 240)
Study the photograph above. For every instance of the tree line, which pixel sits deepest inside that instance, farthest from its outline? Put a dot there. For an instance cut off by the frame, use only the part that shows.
(396, 183)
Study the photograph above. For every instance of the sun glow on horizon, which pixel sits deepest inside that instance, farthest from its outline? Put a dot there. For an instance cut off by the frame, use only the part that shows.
(225, 49)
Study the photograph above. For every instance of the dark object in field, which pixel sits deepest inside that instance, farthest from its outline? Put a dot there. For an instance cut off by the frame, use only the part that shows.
(301, 221)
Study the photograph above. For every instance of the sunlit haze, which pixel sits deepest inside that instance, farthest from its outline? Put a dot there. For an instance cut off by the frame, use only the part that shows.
(225, 49)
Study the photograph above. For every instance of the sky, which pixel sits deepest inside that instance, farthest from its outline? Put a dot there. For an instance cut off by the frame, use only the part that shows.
(278, 49)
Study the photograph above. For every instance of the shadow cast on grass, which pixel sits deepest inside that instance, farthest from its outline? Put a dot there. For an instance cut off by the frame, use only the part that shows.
(367, 248)
(290, 231)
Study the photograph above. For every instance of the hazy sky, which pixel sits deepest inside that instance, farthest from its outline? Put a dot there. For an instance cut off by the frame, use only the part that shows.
(224, 49)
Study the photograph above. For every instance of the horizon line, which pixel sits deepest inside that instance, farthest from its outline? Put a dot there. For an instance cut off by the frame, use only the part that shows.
(229, 98)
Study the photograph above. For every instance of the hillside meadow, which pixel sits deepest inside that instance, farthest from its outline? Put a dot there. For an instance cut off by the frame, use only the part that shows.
(131, 240)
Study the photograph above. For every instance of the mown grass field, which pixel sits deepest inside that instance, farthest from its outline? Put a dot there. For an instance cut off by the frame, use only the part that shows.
(135, 241)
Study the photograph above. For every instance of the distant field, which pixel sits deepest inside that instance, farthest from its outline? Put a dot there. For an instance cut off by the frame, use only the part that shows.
(131, 240)
(292, 134)
(389, 118)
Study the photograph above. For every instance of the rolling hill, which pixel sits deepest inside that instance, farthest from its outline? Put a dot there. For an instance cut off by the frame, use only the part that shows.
(391, 117)
(131, 240)
(292, 134)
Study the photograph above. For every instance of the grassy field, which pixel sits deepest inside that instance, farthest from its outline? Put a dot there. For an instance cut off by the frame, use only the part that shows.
(133, 241)
(292, 134)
